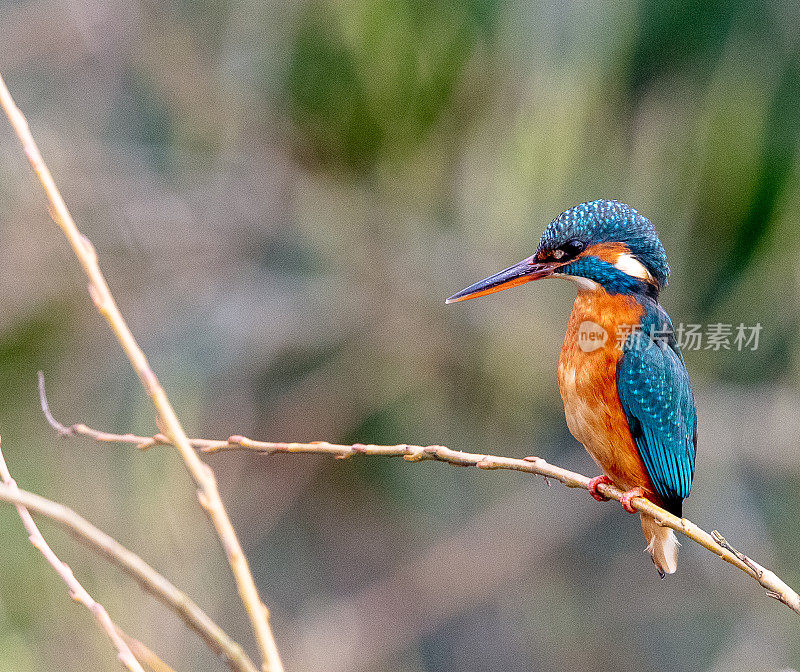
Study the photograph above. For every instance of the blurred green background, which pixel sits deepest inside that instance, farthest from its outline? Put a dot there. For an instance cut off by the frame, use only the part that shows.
(282, 194)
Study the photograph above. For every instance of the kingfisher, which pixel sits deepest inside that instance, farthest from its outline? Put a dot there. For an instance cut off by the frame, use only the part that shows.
(622, 377)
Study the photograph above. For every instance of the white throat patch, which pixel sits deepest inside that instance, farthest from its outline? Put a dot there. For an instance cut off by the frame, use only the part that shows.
(583, 283)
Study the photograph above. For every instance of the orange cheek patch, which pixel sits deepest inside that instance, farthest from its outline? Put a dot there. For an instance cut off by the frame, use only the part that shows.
(609, 252)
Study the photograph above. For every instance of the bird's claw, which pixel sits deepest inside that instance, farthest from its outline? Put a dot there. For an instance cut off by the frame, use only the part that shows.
(594, 482)
(626, 498)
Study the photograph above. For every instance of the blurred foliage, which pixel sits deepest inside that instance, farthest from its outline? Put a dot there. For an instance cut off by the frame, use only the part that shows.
(773, 169)
(677, 35)
(370, 79)
(142, 118)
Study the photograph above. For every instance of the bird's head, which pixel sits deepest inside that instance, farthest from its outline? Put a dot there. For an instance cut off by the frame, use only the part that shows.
(599, 244)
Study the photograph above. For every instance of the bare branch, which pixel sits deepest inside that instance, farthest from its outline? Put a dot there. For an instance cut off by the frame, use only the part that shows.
(714, 542)
(55, 424)
(143, 653)
(208, 492)
(130, 563)
(76, 590)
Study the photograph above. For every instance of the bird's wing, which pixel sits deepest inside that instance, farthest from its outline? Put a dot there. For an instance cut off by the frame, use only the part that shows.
(656, 396)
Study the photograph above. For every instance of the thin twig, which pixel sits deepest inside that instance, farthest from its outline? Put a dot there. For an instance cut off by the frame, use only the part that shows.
(130, 563)
(76, 590)
(774, 586)
(208, 492)
(144, 654)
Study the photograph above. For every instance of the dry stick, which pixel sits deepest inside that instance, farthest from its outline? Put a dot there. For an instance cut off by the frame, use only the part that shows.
(143, 654)
(714, 542)
(208, 492)
(150, 580)
(76, 590)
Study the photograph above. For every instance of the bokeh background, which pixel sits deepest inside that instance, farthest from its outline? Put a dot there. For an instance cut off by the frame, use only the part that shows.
(282, 194)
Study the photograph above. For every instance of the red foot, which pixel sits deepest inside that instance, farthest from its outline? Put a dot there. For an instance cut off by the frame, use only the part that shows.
(626, 498)
(594, 492)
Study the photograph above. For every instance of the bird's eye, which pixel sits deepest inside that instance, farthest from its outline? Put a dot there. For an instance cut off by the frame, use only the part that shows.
(573, 247)
(568, 250)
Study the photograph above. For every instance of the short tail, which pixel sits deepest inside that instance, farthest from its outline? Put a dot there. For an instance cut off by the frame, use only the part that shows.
(661, 544)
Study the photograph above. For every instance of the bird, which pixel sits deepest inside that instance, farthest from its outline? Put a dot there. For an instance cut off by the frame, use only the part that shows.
(621, 373)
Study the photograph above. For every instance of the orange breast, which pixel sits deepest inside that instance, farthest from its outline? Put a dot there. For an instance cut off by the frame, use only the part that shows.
(587, 378)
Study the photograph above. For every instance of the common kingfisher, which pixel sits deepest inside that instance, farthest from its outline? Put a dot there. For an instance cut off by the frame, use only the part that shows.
(626, 392)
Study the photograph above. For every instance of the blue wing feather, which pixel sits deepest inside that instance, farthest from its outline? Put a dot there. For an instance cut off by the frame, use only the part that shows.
(656, 395)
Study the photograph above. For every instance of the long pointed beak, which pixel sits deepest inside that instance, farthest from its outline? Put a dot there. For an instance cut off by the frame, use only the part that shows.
(525, 271)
